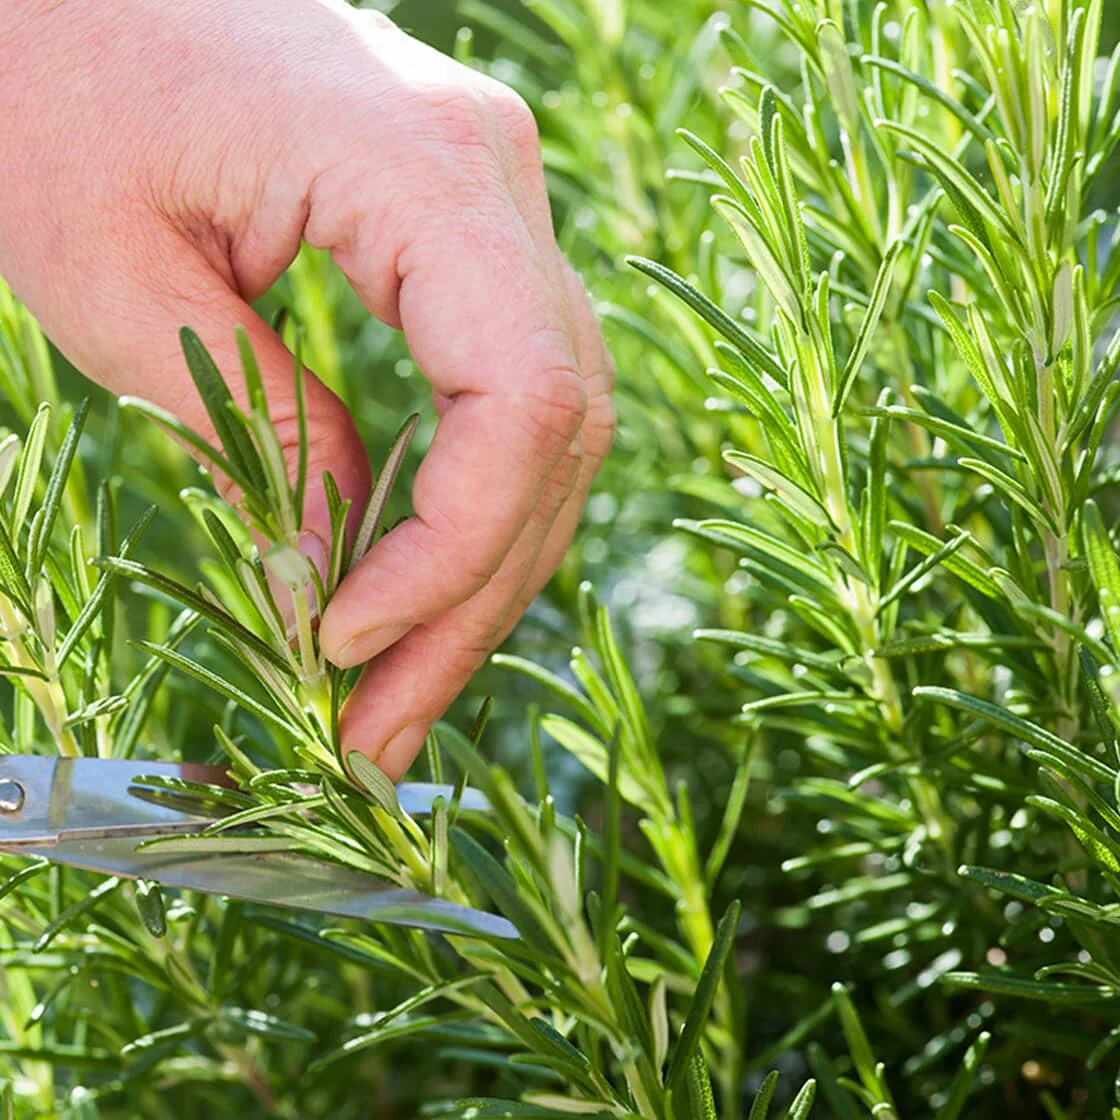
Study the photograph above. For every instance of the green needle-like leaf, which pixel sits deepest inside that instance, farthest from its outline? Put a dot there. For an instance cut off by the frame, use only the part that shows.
(219, 405)
(55, 485)
(219, 684)
(691, 1033)
(877, 301)
(713, 315)
(195, 601)
(204, 450)
(375, 508)
(373, 780)
(30, 461)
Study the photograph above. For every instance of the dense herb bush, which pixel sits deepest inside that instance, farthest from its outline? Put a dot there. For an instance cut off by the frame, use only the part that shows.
(861, 826)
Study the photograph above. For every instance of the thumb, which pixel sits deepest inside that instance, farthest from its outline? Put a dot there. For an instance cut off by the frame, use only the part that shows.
(143, 358)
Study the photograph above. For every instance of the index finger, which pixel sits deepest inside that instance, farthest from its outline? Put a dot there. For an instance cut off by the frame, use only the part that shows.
(489, 326)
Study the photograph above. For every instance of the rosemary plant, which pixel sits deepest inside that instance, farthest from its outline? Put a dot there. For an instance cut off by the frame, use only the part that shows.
(830, 783)
(564, 995)
(911, 293)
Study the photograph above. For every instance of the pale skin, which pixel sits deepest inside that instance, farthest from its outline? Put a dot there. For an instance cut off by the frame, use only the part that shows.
(162, 164)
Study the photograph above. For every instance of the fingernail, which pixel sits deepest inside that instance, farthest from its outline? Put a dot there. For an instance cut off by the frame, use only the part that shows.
(399, 752)
(366, 644)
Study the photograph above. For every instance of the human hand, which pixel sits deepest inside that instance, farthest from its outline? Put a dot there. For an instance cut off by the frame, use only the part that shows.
(162, 164)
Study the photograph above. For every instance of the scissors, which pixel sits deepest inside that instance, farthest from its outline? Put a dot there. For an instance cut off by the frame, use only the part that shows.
(92, 812)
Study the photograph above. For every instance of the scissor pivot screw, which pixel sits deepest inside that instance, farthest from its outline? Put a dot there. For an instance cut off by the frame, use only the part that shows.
(11, 796)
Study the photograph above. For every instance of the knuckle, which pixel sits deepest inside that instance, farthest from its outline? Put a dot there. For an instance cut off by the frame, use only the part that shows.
(461, 653)
(459, 114)
(473, 636)
(484, 116)
(475, 647)
(474, 572)
(601, 414)
(561, 484)
(601, 421)
(474, 564)
(518, 124)
(463, 648)
(554, 410)
(599, 431)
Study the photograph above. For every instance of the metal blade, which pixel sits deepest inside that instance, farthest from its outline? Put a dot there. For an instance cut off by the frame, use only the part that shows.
(89, 813)
(417, 798)
(44, 800)
(284, 879)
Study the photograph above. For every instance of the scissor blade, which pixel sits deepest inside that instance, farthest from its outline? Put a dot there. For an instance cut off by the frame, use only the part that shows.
(284, 879)
(73, 798)
(417, 798)
(69, 798)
